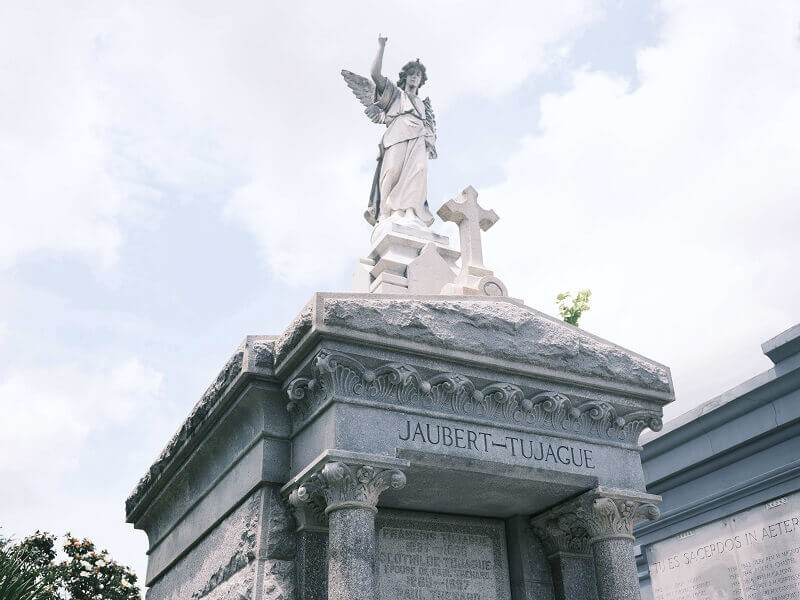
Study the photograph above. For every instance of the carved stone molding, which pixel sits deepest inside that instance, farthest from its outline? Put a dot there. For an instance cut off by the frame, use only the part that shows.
(338, 375)
(338, 485)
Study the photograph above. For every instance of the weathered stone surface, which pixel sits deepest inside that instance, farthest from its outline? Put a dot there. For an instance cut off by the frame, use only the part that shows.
(240, 585)
(299, 326)
(498, 329)
(230, 548)
(278, 580)
(279, 539)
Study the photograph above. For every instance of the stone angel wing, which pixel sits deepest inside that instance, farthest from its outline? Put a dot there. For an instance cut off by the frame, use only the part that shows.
(430, 124)
(364, 90)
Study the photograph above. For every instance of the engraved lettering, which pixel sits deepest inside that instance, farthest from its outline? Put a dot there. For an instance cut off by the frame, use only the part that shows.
(408, 432)
(518, 447)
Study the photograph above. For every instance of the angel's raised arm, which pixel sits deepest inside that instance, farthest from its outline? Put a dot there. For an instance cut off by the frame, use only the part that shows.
(380, 80)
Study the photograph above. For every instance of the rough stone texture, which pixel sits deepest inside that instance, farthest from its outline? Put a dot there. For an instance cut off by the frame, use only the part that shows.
(255, 350)
(228, 549)
(615, 569)
(240, 585)
(299, 326)
(351, 555)
(278, 539)
(277, 580)
(503, 330)
(251, 551)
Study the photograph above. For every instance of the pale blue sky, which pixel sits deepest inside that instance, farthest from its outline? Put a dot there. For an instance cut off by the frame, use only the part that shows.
(175, 177)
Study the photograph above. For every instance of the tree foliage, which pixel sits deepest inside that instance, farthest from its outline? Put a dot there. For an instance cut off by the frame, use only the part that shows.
(32, 573)
(571, 308)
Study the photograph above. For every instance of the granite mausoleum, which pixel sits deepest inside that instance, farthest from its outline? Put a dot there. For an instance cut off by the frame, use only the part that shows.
(427, 437)
(388, 446)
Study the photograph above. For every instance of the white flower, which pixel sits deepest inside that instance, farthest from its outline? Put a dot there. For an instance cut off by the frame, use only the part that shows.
(86, 565)
(85, 574)
(125, 583)
(101, 563)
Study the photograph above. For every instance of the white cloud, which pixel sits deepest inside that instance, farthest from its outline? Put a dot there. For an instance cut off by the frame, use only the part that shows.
(677, 202)
(182, 100)
(55, 409)
(57, 193)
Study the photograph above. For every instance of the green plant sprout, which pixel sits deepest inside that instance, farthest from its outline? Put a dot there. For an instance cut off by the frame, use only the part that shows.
(572, 311)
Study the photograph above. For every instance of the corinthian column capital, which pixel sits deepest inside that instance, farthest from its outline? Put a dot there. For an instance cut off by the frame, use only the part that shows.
(609, 514)
(339, 479)
(349, 486)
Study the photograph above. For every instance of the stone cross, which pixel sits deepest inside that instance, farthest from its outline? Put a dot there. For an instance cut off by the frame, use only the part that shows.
(474, 278)
(470, 218)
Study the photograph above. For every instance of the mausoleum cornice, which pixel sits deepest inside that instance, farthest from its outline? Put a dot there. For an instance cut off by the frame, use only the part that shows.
(490, 331)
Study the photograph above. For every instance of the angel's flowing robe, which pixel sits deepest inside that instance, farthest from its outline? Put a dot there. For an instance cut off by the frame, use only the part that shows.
(401, 177)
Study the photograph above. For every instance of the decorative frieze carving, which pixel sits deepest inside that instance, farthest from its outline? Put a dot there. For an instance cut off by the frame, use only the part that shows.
(338, 375)
(338, 485)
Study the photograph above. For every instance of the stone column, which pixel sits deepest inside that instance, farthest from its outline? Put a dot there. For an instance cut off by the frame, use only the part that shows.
(566, 545)
(312, 548)
(350, 493)
(609, 517)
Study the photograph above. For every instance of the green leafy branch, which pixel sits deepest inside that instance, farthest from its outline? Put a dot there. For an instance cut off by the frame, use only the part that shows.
(571, 308)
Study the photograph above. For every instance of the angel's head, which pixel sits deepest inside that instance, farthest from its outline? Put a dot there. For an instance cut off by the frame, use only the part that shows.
(414, 73)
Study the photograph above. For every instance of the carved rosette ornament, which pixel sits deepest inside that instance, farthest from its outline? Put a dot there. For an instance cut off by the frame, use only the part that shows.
(337, 375)
(614, 518)
(339, 485)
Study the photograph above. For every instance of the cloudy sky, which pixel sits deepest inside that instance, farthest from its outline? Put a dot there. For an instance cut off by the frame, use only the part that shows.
(176, 175)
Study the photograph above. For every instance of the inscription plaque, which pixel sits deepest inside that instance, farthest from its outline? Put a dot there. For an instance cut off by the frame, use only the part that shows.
(424, 556)
(753, 555)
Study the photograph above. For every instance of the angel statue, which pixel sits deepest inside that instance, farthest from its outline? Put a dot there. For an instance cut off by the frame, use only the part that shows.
(400, 185)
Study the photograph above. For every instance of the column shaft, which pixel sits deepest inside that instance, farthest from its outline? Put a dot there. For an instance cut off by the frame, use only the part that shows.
(573, 577)
(615, 569)
(351, 554)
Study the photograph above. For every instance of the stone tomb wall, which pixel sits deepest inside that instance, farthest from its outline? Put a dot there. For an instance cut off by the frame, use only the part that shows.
(423, 556)
(753, 555)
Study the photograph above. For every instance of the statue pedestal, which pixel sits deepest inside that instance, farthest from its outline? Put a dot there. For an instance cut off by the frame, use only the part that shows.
(406, 258)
